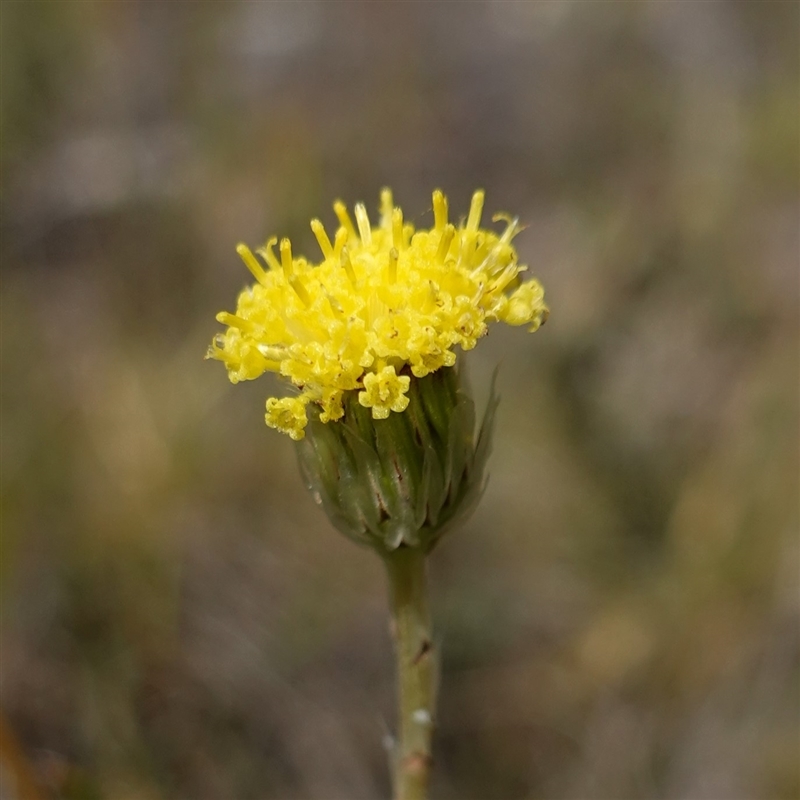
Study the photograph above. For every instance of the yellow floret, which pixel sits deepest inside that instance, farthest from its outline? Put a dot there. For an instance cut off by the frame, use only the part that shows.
(384, 391)
(525, 306)
(288, 415)
(381, 302)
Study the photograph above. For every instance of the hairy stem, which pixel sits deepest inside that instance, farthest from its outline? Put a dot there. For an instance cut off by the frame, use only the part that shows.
(411, 627)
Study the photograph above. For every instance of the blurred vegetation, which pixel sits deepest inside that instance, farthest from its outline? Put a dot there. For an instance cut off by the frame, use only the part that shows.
(620, 617)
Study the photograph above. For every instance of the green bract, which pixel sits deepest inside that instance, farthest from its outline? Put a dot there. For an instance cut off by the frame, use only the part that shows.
(405, 479)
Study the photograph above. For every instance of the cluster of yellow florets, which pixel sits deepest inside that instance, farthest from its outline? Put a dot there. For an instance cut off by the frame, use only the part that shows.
(381, 301)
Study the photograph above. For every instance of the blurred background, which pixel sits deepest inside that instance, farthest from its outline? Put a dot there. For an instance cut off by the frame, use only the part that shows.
(619, 619)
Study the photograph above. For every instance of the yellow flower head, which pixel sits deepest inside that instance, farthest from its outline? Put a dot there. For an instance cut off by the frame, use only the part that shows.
(381, 302)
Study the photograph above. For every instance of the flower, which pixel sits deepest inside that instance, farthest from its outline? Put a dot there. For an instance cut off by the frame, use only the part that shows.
(382, 302)
(384, 391)
(287, 414)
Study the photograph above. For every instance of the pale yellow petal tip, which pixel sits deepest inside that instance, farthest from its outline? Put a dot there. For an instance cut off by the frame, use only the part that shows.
(251, 262)
(387, 206)
(385, 302)
(322, 238)
(340, 209)
(439, 210)
(364, 227)
(475, 210)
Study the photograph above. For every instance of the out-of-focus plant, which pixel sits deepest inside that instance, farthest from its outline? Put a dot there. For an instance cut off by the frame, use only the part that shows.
(383, 418)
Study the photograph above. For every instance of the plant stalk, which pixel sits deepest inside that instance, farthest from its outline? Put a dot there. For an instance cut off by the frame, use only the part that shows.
(411, 628)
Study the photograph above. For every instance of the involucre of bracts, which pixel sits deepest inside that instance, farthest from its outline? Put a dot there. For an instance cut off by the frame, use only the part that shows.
(406, 479)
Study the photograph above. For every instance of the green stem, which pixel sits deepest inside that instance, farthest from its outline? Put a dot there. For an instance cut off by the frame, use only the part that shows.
(415, 671)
